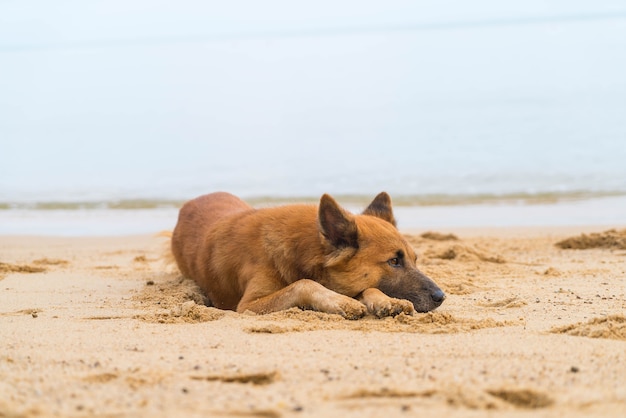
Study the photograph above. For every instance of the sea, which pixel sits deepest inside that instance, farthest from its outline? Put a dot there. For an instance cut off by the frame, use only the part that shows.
(468, 113)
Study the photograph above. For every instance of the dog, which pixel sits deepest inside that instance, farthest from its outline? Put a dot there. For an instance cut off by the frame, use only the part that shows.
(311, 257)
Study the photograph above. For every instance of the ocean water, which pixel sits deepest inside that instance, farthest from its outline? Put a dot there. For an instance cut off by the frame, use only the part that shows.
(108, 110)
(598, 213)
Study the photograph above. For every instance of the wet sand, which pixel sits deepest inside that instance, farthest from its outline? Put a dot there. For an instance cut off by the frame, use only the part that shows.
(102, 327)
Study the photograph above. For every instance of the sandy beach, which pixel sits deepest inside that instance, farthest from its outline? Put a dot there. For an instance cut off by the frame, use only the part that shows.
(101, 326)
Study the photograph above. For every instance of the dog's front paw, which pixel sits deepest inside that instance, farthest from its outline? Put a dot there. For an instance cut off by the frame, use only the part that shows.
(399, 306)
(342, 305)
(353, 310)
(391, 307)
(381, 305)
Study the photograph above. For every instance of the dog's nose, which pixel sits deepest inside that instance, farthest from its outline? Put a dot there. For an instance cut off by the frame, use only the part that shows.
(438, 296)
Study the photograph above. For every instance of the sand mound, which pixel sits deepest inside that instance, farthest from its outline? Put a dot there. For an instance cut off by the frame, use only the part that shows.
(522, 398)
(437, 236)
(259, 378)
(607, 239)
(175, 300)
(466, 253)
(6, 268)
(553, 272)
(459, 252)
(296, 320)
(454, 395)
(51, 262)
(36, 266)
(611, 327)
(512, 302)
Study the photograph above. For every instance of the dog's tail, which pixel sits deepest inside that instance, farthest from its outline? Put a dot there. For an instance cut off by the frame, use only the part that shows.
(167, 257)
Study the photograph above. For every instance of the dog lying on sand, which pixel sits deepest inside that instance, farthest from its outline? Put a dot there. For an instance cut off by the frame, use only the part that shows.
(322, 258)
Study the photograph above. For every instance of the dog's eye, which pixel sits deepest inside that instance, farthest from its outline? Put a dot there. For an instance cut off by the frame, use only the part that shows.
(394, 262)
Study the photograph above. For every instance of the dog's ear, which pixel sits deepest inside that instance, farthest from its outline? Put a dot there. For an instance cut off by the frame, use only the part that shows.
(336, 225)
(381, 208)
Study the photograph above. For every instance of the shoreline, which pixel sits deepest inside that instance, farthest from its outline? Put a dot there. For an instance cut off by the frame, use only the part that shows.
(516, 231)
(601, 212)
(351, 199)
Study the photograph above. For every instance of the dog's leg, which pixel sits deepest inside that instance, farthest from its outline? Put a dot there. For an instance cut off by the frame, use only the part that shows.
(381, 305)
(304, 294)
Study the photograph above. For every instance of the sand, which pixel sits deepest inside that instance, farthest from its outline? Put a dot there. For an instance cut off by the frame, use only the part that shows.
(102, 327)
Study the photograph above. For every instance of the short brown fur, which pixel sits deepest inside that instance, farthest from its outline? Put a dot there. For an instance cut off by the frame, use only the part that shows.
(322, 258)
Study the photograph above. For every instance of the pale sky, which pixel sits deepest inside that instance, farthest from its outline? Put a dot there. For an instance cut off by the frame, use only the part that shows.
(105, 94)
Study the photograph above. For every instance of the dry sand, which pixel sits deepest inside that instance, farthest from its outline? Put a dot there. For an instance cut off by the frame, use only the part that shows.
(101, 327)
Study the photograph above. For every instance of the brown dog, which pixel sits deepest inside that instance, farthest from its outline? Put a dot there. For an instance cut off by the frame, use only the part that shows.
(325, 259)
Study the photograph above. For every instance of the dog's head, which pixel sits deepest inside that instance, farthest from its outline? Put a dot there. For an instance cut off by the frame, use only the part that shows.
(367, 250)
